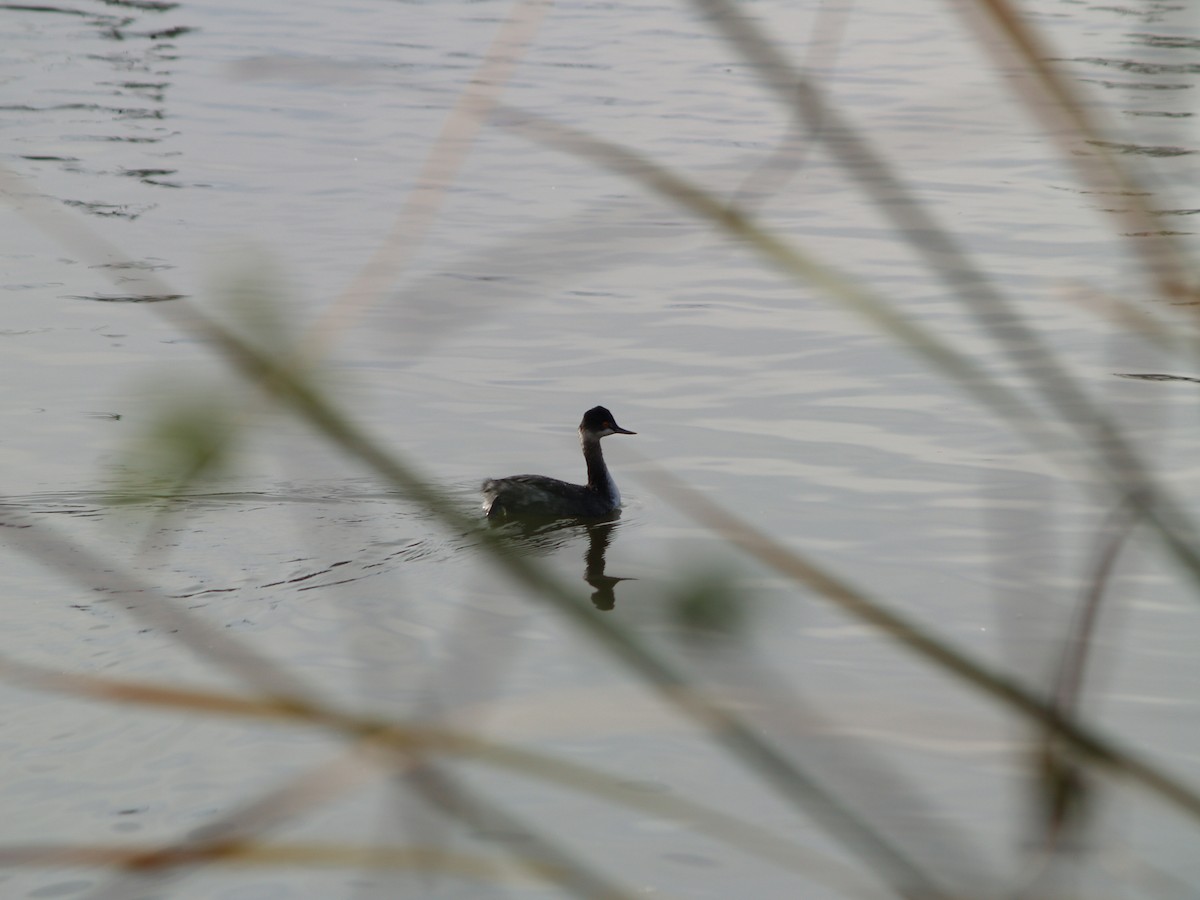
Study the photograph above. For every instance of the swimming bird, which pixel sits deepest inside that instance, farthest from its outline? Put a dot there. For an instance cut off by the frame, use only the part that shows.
(536, 496)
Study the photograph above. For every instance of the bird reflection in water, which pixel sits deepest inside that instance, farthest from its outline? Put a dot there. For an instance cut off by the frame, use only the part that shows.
(546, 538)
(593, 571)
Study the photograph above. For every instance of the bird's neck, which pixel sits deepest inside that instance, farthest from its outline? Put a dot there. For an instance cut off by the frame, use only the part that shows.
(597, 471)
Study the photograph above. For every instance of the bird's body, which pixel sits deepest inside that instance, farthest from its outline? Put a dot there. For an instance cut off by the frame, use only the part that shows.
(538, 496)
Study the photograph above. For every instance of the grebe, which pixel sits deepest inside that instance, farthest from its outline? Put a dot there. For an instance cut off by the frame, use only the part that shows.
(536, 496)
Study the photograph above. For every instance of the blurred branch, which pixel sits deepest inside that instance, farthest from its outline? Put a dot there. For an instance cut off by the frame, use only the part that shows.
(770, 176)
(1099, 438)
(1057, 99)
(941, 355)
(303, 398)
(847, 763)
(228, 836)
(286, 381)
(283, 377)
(417, 741)
(310, 855)
(295, 390)
(1009, 693)
(147, 604)
(442, 164)
(302, 855)
(1114, 457)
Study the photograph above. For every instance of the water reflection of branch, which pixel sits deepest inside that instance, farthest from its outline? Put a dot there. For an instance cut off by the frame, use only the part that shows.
(1063, 785)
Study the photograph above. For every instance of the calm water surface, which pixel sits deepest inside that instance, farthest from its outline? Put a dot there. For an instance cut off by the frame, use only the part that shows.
(221, 146)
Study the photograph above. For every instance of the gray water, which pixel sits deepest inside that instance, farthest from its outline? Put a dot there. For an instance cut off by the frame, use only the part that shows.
(220, 147)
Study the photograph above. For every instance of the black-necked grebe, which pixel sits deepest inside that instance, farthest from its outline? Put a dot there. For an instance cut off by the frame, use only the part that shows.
(536, 496)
